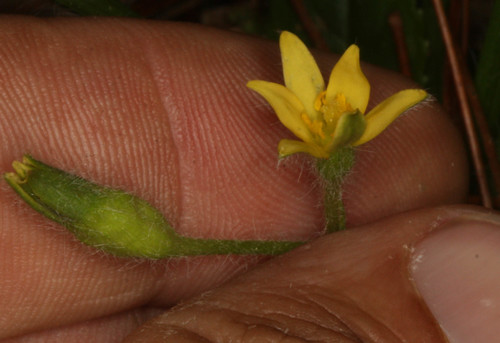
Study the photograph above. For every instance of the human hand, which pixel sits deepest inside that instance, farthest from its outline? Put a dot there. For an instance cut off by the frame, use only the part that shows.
(161, 110)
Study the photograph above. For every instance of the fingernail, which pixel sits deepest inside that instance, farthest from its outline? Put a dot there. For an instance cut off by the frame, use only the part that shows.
(457, 272)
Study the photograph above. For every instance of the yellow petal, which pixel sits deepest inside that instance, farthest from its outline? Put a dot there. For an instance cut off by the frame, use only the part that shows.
(300, 71)
(348, 79)
(287, 106)
(388, 110)
(288, 147)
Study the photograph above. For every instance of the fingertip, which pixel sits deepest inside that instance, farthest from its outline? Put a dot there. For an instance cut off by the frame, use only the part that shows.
(455, 271)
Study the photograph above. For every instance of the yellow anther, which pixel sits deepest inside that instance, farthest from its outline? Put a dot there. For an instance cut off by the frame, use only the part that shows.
(320, 101)
(305, 118)
(340, 99)
(333, 110)
(315, 126)
(318, 128)
(342, 103)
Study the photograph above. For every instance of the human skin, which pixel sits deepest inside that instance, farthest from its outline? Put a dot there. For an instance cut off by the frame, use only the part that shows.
(161, 110)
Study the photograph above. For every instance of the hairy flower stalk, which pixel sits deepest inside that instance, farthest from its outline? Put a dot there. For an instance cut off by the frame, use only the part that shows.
(332, 172)
(115, 221)
(329, 121)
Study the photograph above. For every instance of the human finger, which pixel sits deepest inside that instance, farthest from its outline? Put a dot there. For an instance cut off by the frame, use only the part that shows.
(161, 110)
(421, 276)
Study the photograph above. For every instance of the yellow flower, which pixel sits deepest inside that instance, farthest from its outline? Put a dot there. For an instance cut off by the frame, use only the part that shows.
(327, 120)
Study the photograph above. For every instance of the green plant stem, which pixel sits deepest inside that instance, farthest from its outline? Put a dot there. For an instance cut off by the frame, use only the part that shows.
(186, 246)
(332, 172)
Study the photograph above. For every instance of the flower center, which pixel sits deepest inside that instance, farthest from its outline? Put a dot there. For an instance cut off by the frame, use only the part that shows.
(324, 126)
(332, 110)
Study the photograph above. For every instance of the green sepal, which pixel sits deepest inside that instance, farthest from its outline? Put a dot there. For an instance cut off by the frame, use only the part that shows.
(350, 127)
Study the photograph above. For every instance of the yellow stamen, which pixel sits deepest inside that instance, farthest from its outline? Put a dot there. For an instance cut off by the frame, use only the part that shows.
(320, 101)
(315, 126)
(332, 111)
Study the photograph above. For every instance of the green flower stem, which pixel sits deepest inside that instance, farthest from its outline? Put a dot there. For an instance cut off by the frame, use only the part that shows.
(115, 221)
(194, 246)
(333, 171)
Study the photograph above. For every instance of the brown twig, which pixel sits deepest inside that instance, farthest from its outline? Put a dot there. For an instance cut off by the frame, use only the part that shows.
(396, 25)
(457, 69)
(311, 29)
(449, 93)
(459, 23)
(485, 134)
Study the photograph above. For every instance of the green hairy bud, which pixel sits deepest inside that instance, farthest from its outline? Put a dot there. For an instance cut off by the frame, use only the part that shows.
(118, 222)
(114, 221)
